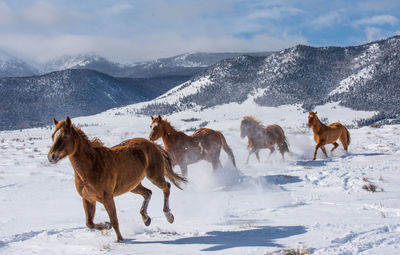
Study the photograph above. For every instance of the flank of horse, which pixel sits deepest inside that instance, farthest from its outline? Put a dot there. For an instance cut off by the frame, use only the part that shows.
(101, 173)
(324, 134)
(261, 137)
(204, 144)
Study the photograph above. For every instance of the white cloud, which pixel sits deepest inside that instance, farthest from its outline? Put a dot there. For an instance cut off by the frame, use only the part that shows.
(6, 15)
(43, 48)
(377, 20)
(373, 33)
(274, 13)
(326, 20)
(45, 14)
(117, 9)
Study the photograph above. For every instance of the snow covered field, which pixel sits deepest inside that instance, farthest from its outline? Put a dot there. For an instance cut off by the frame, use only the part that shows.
(259, 208)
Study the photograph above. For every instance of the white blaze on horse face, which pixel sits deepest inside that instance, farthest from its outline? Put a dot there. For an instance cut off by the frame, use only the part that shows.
(152, 127)
(56, 136)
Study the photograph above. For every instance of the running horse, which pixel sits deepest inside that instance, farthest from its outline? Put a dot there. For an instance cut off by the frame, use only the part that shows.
(261, 137)
(204, 144)
(324, 134)
(101, 173)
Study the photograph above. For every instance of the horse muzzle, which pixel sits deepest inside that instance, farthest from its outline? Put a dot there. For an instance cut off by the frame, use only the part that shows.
(53, 158)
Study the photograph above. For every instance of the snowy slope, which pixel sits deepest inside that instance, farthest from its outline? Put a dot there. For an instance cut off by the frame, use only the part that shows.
(259, 208)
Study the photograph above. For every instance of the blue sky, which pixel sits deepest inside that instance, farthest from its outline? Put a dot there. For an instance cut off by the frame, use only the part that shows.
(137, 30)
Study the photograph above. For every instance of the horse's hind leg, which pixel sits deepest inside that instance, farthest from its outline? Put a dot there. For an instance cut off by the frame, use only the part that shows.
(324, 151)
(90, 210)
(335, 145)
(146, 193)
(272, 150)
(258, 155)
(165, 186)
(216, 163)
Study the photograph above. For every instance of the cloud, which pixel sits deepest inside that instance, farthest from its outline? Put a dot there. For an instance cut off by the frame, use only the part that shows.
(45, 14)
(377, 20)
(326, 20)
(275, 13)
(6, 15)
(42, 48)
(117, 9)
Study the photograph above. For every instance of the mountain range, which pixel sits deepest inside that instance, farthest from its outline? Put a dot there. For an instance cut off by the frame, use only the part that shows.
(364, 77)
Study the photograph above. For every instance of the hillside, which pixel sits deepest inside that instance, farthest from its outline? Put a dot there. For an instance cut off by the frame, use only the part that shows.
(361, 77)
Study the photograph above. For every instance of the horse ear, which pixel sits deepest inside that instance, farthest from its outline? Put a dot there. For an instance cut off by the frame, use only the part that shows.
(159, 116)
(55, 121)
(151, 116)
(315, 113)
(68, 122)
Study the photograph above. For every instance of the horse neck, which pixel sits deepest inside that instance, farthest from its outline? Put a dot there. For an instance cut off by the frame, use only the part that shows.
(317, 125)
(81, 157)
(170, 135)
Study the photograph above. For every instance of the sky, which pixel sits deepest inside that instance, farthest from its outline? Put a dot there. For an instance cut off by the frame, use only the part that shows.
(138, 30)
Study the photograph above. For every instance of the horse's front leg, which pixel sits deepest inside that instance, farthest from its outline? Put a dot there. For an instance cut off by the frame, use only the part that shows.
(109, 204)
(316, 149)
(184, 170)
(90, 210)
(251, 151)
(258, 155)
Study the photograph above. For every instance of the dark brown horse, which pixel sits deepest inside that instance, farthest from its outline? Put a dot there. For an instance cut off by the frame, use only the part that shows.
(102, 173)
(204, 144)
(261, 137)
(324, 134)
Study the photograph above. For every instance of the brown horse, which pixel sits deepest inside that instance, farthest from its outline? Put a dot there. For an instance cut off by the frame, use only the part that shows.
(102, 173)
(205, 144)
(324, 134)
(261, 137)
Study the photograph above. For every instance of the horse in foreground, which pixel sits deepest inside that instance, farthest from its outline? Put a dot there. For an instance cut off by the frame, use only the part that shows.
(261, 137)
(204, 144)
(101, 173)
(324, 134)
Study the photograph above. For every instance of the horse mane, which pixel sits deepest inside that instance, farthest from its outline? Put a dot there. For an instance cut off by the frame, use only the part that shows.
(252, 120)
(173, 128)
(95, 142)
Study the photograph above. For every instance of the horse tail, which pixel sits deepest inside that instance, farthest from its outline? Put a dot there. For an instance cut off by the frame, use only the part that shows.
(175, 178)
(347, 135)
(285, 145)
(226, 148)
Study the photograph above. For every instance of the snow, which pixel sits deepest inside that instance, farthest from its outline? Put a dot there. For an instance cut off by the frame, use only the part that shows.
(259, 208)
(360, 77)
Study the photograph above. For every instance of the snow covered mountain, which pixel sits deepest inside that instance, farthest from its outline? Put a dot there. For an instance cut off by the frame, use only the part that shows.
(187, 64)
(11, 66)
(33, 101)
(362, 77)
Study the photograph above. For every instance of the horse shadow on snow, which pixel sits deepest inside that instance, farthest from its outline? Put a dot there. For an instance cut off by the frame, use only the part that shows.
(262, 236)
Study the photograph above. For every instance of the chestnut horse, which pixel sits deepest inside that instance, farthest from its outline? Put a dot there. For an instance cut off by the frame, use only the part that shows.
(102, 173)
(204, 144)
(324, 134)
(261, 137)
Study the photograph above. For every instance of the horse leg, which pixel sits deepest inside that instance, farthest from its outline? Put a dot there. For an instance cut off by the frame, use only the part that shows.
(335, 145)
(316, 149)
(90, 210)
(248, 157)
(216, 163)
(112, 213)
(272, 150)
(146, 193)
(324, 151)
(258, 155)
(165, 187)
(184, 170)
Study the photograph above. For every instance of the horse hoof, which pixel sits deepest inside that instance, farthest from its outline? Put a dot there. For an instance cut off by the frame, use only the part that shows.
(170, 217)
(147, 222)
(107, 225)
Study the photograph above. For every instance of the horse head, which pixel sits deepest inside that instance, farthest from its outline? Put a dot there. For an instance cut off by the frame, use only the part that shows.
(63, 141)
(312, 117)
(243, 129)
(156, 128)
